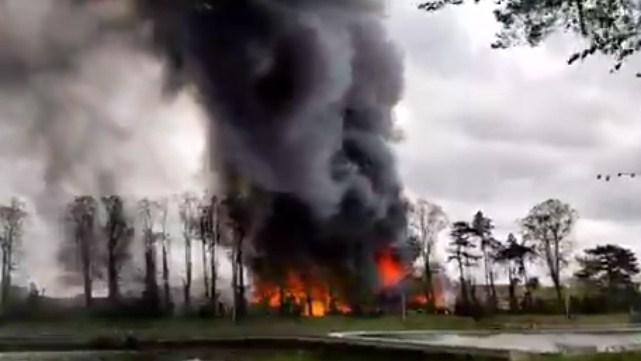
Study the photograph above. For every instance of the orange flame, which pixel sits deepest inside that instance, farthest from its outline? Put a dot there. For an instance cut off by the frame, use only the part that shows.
(391, 271)
(420, 300)
(313, 298)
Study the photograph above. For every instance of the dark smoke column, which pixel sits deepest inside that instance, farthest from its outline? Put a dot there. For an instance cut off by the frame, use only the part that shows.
(300, 95)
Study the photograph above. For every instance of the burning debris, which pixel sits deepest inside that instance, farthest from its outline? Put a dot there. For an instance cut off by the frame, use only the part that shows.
(300, 96)
(302, 292)
(299, 295)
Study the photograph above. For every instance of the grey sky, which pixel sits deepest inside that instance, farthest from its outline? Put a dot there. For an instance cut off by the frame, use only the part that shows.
(500, 130)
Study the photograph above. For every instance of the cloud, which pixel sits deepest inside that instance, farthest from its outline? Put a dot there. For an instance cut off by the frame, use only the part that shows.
(504, 130)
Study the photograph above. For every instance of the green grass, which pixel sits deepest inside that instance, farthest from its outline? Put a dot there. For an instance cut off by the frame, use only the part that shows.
(264, 326)
(81, 330)
(178, 328)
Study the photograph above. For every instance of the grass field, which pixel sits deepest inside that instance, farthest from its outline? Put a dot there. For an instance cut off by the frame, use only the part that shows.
(176, 328)
(193, 327)
(81, 330)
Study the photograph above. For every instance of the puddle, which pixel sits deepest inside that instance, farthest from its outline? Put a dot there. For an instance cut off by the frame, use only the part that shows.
(527, 342)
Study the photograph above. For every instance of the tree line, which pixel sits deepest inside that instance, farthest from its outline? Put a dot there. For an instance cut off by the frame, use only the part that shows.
(606, 275)
(101, 235)
(99, 242)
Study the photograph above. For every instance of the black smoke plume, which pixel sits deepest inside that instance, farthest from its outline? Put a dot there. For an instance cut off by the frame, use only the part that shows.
(300, 95)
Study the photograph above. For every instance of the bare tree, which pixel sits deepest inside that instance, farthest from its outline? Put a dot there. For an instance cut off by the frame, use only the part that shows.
(203, 235)
(11, 220)
(238, 274)
(82, 214)
(165, 242)
(119, 234)
(189, 217)
(210, 233)
(215, 240)
(237, 219)
(428, 220)
(549, 224)
(148, 215)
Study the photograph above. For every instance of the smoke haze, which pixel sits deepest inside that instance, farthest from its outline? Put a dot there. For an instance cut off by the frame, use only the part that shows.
(82, 111)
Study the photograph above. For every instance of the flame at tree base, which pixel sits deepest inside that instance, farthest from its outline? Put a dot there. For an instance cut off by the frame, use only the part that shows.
(309, 294)
(310, 297)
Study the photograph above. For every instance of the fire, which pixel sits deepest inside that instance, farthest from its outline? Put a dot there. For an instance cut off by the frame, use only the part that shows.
(391, 271)
(420, 300)
(319, 309)
(306, 294)
(313, 298)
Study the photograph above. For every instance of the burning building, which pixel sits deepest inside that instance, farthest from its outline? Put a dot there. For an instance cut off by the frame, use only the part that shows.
(300, 96)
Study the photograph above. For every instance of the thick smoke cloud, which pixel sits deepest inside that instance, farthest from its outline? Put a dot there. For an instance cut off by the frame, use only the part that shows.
(300, 93)
(82, 111)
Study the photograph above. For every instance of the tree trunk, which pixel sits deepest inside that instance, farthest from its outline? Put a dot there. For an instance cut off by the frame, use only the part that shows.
(85, 257)
(494, 297)
(579, 10)
(281, 297)
(112, 272)
(429, 286)
(512, 290)
(87, 283)
(165, 276)
(5, 274)
(310, 303)
(556, 277)
(205, 268)
(213, 293)
(490, 288)
(526, 303)
(554, 273)
(463, 282)
(234, 285)
(9, 267)
(523, 271)
(151, 283)
(557, 270)
(559, 291)
(241, 281)
(239, 294)
(7, 254)
(486, 270)
(188, 263)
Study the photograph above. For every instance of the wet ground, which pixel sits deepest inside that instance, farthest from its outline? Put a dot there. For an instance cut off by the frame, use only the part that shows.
(544, 342)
